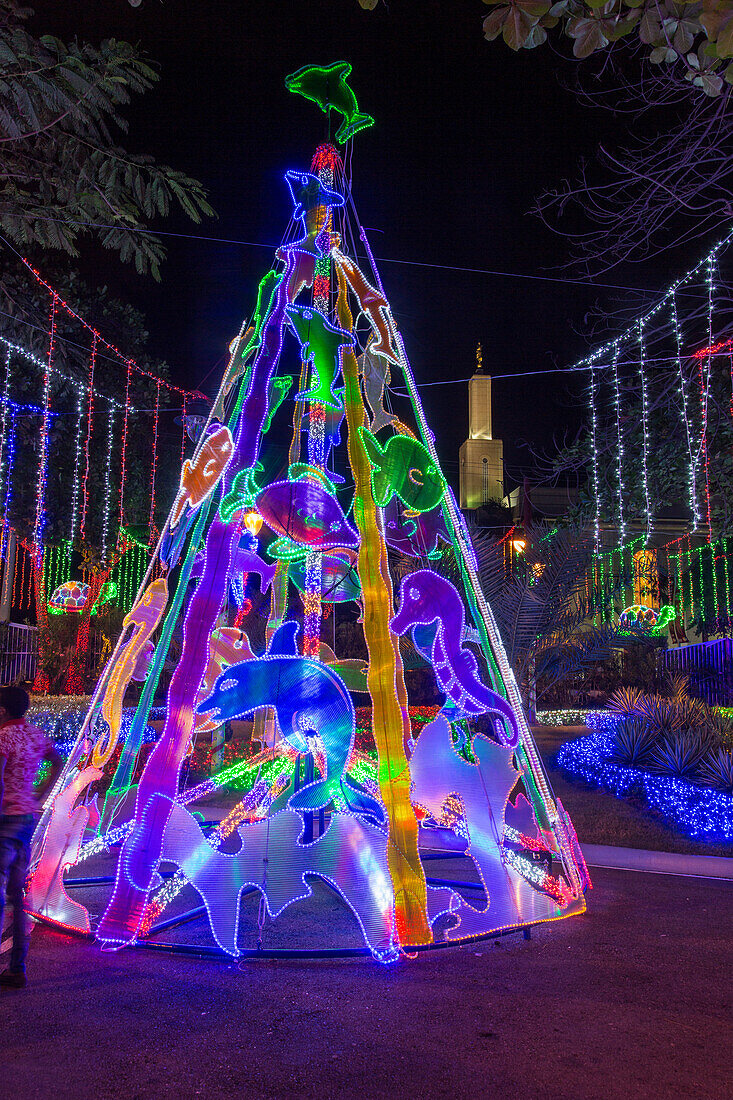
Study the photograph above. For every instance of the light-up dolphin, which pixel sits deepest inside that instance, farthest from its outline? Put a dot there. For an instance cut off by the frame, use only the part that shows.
(326, 86)
(310, 701)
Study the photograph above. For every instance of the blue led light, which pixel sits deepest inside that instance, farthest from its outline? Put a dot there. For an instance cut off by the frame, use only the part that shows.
(700, 812)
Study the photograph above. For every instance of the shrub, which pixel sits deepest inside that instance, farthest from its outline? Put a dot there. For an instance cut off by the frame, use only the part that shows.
(625, 701)
(721, 726)
(632, 742)
(716, 770)
(662, 715)
(680, 756)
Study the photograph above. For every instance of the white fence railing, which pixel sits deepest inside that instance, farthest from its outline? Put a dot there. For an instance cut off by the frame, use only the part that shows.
(19, 652)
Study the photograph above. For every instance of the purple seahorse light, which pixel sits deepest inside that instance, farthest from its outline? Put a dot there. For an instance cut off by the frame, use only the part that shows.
(431, 607)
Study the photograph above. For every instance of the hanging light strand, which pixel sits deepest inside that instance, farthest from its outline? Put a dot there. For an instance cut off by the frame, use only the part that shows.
(619, 448)
(594, 461)
(76, 489)
(6, 410)
(686, 416)
(108, 482)
(87, 444)
(123, 458)
(40, 521)
(645, 432)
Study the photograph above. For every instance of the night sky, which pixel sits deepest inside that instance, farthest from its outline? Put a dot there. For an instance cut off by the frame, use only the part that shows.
(467, 134)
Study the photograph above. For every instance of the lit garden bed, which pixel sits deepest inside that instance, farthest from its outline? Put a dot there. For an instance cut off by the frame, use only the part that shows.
(698, 811)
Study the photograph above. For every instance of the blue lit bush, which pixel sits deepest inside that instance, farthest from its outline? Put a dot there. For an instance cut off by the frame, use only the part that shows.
(63, 725)
(697, 810)
(632, 742)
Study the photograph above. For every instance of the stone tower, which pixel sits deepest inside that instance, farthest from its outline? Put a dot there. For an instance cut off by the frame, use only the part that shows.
(481, 457)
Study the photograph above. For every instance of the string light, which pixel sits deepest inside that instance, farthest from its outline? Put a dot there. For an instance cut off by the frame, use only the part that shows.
(698, 811)
(40, 521)
(123, 459)
(594, 461)
(6, 409)
(110, 347)
(645, 432)
(704, 380)
(619, 447)
(90, 422)
(153, 467)
(631, 332)
(108, 481)
(686, 415)
(75, 493)
(183, 430)
(10, 467)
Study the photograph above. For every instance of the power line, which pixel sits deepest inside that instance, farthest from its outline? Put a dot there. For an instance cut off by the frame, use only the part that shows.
(381, 259)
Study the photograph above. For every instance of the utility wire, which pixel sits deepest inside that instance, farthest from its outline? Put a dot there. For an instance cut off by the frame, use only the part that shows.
(381, 259)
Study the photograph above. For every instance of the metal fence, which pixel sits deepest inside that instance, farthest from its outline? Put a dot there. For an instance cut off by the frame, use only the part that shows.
(19, 652)
(709, 666)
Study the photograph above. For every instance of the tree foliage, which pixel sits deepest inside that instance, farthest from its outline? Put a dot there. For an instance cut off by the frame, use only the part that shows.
(664, 66)
(64, 175)
(542, 608)
(696, 38)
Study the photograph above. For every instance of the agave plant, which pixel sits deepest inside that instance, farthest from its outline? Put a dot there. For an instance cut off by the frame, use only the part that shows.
(625, 701)
(679, 685)
(680, 756)
(662, 715)
(632, 742)
(716, 770)
(721, 728)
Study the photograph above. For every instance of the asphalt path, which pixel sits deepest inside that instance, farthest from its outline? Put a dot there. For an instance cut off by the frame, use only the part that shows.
(630, 1000)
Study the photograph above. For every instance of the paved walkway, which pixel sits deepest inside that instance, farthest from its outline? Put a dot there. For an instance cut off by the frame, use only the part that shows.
(629, 1001)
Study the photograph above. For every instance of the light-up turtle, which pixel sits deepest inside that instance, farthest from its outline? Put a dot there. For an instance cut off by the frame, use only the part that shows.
(71, 596)
(641, 616)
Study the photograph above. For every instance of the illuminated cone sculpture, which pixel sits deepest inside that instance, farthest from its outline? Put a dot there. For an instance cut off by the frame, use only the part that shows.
(226, 863)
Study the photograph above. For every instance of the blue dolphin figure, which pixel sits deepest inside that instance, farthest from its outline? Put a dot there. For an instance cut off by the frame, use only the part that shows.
(309, 700)
(308, 192)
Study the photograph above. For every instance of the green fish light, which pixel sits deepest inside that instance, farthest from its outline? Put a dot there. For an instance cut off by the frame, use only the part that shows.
(326, 85)
(403, 468)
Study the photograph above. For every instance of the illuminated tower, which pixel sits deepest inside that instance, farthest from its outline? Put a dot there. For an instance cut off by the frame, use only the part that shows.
(481, 456)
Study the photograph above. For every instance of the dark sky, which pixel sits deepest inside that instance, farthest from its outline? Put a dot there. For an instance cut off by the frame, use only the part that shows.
(466, 135)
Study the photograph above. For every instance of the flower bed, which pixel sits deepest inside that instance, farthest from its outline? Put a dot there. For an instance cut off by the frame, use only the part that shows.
(700, 812)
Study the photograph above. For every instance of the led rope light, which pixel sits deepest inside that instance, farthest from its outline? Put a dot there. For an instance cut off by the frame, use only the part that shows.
(594, 461)
(90, 422)
(108, 482)
(323, 165)
(619, 447)
(485, 613)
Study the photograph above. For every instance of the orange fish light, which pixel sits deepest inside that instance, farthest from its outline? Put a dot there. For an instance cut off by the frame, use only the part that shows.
(201, 474)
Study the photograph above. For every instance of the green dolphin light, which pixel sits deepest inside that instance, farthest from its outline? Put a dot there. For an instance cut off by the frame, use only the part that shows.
(320, 344)
(405, 469)
(326, 85)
